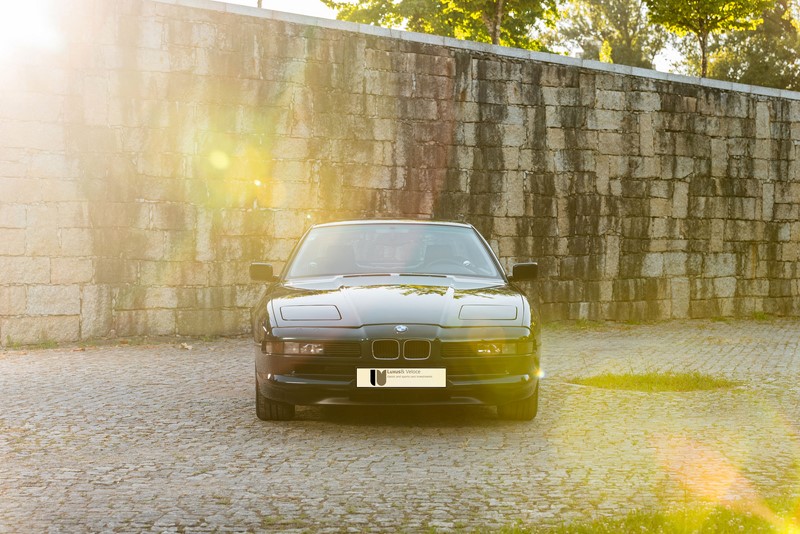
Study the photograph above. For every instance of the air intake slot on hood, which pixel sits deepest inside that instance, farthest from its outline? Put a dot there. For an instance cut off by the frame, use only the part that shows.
(488, 312)
(310, 313)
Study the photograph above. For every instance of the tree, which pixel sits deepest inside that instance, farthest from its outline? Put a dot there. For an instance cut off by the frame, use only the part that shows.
(768, 55)
(506, 22)
(616, 31)
(703, 18)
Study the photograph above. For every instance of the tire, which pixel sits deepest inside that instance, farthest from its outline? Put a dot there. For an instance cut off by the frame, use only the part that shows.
(521, 410)
(269, 410)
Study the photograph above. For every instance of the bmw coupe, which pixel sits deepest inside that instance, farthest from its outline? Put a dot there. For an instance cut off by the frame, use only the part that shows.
(395, 312)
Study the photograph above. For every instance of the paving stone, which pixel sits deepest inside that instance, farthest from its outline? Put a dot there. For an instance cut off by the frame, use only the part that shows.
(157, 438)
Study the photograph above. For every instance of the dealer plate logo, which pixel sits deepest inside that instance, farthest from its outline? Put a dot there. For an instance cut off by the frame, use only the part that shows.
(377, 377)
(401, 378)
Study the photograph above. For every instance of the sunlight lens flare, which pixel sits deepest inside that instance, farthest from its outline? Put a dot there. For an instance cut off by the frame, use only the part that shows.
(708, 474)
(705, 472)
(25, 25)
(219, 160)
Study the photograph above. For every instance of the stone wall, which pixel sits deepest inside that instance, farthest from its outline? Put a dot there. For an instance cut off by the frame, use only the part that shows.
(165, 145)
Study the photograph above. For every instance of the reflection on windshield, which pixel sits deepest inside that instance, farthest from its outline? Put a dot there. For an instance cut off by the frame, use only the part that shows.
(393, 248)
(401, 289)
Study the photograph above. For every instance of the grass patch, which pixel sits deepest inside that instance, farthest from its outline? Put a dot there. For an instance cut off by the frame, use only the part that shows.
(224, 500)
(44, 344)
(762, 316)
(640, 322)
(719, 519)
(652, 382)
(580, 324)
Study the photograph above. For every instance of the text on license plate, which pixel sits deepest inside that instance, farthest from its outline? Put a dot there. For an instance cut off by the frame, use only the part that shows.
(401, 378)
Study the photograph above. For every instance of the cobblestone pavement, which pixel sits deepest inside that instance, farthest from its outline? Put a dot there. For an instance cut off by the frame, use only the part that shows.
(161, 438)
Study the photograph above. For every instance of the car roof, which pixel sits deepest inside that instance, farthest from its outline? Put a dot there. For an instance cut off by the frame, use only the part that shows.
(393, 221)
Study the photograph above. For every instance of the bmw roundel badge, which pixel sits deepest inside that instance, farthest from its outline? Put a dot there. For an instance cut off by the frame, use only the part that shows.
(401, 329)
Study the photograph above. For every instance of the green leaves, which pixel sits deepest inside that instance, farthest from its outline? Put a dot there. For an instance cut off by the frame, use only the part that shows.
(614, 31)
(749, 41)
(703, 18)
(768, 55)
(505, 22)
(706, 16)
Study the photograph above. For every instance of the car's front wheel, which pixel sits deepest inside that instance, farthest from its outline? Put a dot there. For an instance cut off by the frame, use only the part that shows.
(521, 410)
(269, 410)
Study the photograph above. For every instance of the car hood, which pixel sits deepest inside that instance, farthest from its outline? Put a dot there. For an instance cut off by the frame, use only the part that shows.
(356, 302)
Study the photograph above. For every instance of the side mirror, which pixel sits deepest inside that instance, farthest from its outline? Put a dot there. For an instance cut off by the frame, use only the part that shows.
(524, 272)
(261, 272)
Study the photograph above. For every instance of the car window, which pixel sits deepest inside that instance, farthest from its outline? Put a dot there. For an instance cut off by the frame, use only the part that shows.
(392, 248)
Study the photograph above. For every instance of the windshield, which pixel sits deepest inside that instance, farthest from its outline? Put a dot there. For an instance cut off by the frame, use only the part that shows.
(393, 248)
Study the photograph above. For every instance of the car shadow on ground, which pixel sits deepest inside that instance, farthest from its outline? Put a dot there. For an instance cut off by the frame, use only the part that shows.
(400, 416)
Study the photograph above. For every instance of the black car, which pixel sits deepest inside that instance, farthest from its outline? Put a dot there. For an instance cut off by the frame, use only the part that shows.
(395, 312)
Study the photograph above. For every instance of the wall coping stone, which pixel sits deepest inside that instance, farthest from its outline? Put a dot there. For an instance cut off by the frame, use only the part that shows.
(451, 42)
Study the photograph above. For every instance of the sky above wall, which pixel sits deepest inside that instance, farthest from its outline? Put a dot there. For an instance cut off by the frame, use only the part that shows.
(314, 8)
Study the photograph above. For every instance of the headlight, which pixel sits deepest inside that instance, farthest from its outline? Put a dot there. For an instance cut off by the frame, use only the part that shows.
(490, 348)
(293, 347)
(504, 347)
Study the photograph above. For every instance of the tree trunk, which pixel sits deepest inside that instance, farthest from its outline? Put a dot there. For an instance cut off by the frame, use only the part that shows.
(703, 54)
(497, 23)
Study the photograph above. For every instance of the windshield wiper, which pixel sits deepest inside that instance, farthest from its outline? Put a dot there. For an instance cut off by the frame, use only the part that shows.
(365, 274)
(395, 274)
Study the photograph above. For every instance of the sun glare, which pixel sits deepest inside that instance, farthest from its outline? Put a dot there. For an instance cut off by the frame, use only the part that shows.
(25, 25)
(219, 160)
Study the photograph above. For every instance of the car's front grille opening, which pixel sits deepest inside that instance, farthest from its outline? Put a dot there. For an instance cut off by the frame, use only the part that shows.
(459, 349)
(342, 349)
(320, 371)
(416, 349)
(493, 366)
(470, 349)
(386, 349)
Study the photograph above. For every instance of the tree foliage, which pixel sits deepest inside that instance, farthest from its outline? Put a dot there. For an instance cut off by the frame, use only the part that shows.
(616, 31)
(506, 22)
(703, 18)
(768, 55)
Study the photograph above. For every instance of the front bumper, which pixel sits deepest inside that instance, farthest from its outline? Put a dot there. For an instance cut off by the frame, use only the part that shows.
(318, 381)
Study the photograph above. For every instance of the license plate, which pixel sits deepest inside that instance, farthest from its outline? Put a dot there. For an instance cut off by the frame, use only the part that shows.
(401, 378)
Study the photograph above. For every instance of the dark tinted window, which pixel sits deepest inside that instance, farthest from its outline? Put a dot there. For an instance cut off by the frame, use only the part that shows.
(393, 248)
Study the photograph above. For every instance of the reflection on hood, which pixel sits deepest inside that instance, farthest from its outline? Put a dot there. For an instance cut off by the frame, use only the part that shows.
(413, 300)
